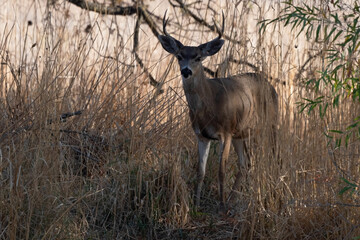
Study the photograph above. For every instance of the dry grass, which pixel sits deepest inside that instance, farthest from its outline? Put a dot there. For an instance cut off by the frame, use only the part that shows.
(125, 167)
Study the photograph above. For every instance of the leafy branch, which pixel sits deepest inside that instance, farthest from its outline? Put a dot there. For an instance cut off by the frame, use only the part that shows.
(335, 28)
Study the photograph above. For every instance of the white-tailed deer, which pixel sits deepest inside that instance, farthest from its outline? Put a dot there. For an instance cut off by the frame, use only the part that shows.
(226, 109)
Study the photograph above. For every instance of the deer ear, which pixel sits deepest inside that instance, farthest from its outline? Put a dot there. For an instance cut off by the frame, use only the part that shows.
(212, 47)
(170, 44)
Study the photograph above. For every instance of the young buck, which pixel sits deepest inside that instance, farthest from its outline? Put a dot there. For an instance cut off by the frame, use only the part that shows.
(226, 109)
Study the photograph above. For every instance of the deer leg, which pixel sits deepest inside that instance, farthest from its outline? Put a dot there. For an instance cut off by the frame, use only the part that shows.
(224, 154)
(204, 146)
(274, 142)
(240, 149)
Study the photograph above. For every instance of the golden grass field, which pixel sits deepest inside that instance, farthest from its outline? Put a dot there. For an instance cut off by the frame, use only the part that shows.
(125, 168)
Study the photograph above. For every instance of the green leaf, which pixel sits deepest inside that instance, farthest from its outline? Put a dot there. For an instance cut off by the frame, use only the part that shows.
(349, 183)
(337, 35)
(328, 136)
(308, 7)
(338, 142)
(345, 189)
(336, 100)
(347, 138)
(309, 31)
(331, 32)
(336, 18)
(336, 131)
(311, 107)
(348, 38)
(357, 45)
(317, 33)
(352, 126)
(322, 110)
(337, 68)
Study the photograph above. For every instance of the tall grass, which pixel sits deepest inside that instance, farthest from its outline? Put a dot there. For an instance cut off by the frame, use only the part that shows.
(125, 167)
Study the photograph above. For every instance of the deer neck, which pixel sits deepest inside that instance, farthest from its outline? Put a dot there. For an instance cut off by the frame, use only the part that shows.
(197, 91)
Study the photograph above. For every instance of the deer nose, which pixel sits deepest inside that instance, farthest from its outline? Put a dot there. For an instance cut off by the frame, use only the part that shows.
(186, 72)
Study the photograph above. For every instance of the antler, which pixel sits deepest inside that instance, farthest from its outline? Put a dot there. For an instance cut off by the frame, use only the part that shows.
(175, 43)
(223, 26)
(165, 21)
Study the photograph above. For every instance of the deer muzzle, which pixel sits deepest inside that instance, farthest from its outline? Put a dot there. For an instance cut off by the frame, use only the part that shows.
(186, 72)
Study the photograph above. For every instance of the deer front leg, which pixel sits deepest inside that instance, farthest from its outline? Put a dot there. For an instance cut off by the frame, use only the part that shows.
(204, 146)
(224, 154)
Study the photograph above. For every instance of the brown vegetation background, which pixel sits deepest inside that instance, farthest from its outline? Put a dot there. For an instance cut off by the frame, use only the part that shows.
(90, 149)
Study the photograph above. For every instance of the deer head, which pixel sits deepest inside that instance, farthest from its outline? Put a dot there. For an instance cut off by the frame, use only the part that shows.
(190, 57)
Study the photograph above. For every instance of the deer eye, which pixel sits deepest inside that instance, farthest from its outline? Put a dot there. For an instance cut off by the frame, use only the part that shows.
(198, 59)
(179, 57)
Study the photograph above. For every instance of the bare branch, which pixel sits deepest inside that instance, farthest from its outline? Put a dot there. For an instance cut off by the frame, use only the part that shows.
(153, 82)
(64, 116)
(125, 11)
(118, 10)
(152, 25)
(209, 71)
(104, 9)
(302, 68)
(256, 69)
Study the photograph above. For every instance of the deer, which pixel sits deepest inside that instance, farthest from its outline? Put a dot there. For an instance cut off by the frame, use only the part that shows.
(230, 109)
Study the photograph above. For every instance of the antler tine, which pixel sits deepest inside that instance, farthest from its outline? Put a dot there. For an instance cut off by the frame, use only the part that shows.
(223, 26)
(164, 24)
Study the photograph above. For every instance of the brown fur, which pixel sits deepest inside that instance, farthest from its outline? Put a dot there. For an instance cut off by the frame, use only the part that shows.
(234, 105)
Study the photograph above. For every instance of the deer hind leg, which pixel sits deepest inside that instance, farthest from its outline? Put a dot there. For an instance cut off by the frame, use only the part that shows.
(241, 151)
(224, 154)
(274, 142)
(204, 146)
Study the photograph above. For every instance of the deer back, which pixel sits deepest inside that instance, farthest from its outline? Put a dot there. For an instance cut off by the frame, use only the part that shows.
(237, 105)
